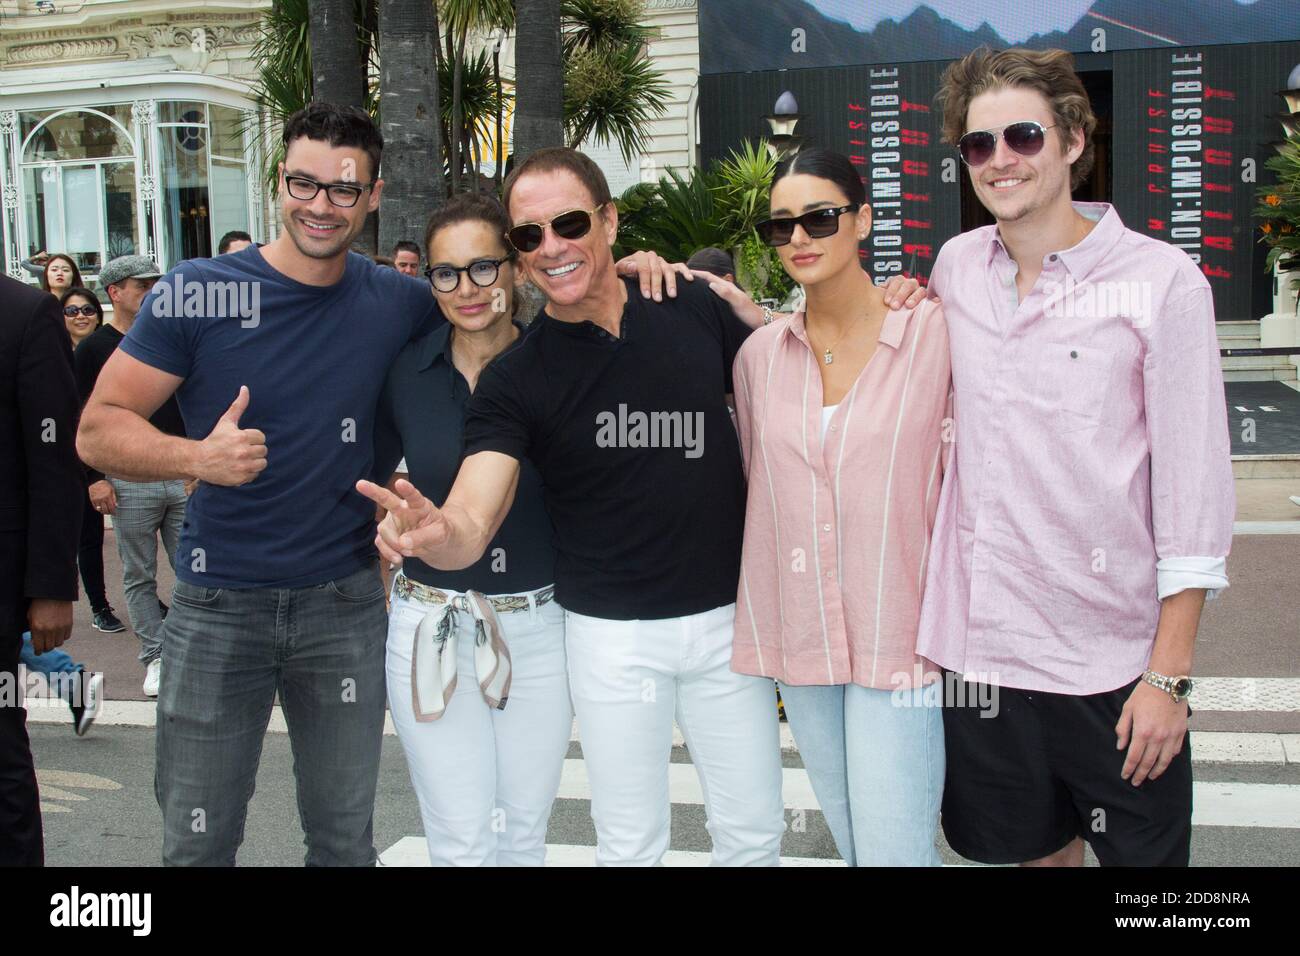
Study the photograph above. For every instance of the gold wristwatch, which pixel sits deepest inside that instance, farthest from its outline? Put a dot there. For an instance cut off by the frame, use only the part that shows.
(1178, 688)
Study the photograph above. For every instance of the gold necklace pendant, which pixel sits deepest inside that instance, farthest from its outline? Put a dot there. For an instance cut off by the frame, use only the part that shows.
(828, 358)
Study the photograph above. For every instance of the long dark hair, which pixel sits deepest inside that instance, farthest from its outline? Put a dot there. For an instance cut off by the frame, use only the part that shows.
(45, 275)
(825, 164)
(89, 297)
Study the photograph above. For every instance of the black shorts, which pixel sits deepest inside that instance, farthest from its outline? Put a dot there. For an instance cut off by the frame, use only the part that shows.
(1024, 783)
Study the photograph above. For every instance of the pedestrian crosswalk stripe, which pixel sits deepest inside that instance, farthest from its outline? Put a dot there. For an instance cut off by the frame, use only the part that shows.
(684, 785)
(1272, 694)
(1223, 804)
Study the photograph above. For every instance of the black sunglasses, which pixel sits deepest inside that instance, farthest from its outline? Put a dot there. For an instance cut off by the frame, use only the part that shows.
(1026, 138)
(481, 272)
(305, 190)
(573, 224)
(818, 224)
(86, 310)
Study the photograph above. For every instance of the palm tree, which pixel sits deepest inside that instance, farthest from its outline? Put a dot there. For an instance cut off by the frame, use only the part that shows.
(408, 84)
(539, 77)
(611, 89)
(337, 75)
(460, 19)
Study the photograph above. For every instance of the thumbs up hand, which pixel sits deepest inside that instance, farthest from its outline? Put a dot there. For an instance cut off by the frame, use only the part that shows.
(231, 455)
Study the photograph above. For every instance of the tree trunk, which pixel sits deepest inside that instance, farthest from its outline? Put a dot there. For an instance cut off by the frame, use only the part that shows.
(457, 113)
(408, 97)
(499, 160)
(539, 77)
(335, 53)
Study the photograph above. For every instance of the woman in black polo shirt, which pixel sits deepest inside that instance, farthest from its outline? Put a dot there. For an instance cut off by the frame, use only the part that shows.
(485, 774)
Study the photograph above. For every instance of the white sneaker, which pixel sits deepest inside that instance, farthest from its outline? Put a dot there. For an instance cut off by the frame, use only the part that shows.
(91, 704)
(151, 678)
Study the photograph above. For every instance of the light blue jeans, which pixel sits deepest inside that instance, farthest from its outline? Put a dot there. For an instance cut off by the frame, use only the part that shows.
(146, 510)
(876, 762)
(52, 663)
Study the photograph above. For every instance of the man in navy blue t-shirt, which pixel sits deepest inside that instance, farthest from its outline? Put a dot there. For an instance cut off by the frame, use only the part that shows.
(276, 355)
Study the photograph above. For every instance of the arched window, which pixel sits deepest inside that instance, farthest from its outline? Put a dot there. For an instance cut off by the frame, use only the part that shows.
(78, 169)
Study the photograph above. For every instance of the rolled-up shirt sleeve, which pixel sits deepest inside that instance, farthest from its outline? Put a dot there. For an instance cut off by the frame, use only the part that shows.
(1193, 501)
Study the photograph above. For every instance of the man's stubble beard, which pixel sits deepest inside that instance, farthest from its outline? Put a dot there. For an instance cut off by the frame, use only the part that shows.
(348, 235)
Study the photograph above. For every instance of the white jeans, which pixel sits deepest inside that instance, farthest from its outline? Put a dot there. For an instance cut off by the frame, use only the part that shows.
(486, 779)
(629, 679)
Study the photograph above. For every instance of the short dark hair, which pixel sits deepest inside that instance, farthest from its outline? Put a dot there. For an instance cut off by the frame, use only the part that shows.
(85, 294)
(338, 126)
(382, 261)
(711, 259)
(553, 158)
(235, 235)
(469, 207)
(45, 273)
(825, 164)
(405, 245)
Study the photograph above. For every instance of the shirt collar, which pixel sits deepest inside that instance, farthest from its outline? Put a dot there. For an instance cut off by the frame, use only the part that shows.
(891, 330)
(1082, 258)
(435, 345)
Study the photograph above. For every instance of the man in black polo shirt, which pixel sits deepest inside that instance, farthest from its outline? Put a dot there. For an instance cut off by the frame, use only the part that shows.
(618, 401)
(142, 510)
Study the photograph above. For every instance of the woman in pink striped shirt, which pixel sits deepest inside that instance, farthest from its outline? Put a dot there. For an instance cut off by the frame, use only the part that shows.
(843, 413)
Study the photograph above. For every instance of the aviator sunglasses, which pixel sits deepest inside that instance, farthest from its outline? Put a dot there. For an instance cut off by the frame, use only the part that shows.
(573, 224)
(1025, 138)
(818, 224)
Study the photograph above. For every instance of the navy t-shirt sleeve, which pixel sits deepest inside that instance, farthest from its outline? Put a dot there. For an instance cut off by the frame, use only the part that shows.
(496, 417)
(162, 336)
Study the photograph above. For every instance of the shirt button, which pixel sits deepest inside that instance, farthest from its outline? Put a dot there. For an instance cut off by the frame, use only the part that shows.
(1052, 257)
(1073, 354)
(826, 527)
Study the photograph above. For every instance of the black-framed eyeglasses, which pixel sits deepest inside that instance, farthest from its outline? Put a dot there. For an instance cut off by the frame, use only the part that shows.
(344, 195)
(573, 224)
(481, 272)
(1025, 137)
(71, 311)
(818, 224)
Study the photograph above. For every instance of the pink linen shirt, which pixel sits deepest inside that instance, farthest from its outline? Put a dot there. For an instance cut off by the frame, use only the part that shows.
(1091, 474)
(837, 531)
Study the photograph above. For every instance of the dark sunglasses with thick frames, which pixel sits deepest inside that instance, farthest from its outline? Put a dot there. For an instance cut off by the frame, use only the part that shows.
(481, 272)
(344, 195)
(1025, 137)
(87, 310)
(818, 224)
(573, 224)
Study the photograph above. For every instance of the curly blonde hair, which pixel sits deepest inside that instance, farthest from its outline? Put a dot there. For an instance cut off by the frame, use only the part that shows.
(1050, 72)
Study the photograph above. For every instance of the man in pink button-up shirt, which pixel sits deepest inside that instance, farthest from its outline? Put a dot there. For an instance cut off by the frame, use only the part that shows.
(1090, 504)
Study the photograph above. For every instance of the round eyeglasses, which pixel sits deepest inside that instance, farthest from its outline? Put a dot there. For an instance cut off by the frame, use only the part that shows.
(481, 272)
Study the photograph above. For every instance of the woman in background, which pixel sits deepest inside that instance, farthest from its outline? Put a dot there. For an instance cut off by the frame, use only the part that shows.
(60, 275)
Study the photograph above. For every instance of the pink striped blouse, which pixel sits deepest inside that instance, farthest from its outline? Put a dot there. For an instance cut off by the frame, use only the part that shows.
(837, 532)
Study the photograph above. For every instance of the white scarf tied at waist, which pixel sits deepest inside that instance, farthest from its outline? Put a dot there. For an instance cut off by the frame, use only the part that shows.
(434, 656)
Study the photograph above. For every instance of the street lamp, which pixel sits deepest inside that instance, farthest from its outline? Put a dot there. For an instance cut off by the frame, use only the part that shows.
(785, 116)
